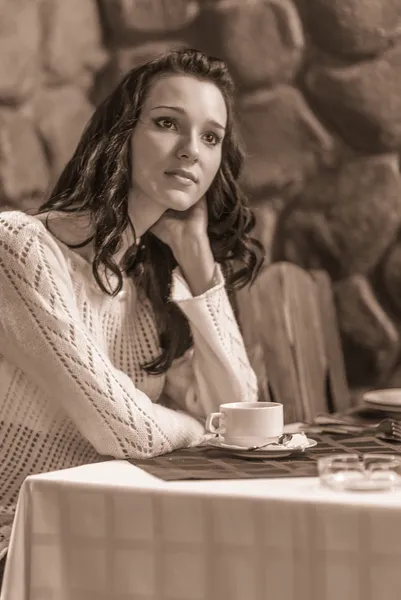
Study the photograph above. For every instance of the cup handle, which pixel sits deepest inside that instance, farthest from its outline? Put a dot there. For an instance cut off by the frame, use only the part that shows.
(209, 423)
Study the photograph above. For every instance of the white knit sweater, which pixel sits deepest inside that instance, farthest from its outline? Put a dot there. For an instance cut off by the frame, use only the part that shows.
(71, 386)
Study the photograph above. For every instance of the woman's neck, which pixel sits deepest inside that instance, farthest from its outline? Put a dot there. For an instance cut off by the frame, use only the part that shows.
(143, 212)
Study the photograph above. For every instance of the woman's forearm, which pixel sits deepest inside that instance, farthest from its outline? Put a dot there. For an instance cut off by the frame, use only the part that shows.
(217, 367)
(196, 261)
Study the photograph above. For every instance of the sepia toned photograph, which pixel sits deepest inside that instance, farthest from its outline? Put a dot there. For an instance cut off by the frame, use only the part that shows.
(200, 318)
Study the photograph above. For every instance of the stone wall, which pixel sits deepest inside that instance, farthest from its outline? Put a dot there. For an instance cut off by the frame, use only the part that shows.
(320, 112)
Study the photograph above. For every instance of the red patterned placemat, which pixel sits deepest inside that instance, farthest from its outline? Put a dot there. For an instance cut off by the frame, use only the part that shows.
(212, 463)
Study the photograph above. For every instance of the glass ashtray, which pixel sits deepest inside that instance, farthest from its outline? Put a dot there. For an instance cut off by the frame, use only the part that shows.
(356, 473)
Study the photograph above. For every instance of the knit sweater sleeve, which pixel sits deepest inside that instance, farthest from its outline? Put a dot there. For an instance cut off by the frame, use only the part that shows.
(216, 369)
(41, 332)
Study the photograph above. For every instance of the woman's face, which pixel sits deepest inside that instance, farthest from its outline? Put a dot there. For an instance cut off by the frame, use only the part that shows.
(177, 142)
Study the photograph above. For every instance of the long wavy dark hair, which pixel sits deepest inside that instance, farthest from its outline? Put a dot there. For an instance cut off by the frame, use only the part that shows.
(97, 179)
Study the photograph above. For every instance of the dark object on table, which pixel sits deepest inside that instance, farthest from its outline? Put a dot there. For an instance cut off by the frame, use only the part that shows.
(210, 463)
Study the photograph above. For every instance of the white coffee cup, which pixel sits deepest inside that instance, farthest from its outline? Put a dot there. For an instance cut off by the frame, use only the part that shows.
(247, 423)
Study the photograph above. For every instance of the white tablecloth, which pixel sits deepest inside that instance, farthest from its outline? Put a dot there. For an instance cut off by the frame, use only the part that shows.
(110, 531)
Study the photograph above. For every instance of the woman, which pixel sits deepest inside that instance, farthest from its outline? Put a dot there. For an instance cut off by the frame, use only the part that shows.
(116, 332)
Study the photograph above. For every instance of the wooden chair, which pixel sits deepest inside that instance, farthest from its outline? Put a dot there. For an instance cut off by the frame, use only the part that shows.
(288, 320)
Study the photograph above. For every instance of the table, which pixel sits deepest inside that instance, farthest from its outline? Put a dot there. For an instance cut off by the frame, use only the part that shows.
(110, 531)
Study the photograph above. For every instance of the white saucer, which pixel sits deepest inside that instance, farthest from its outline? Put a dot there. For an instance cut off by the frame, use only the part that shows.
(268, 452)
(388, 399)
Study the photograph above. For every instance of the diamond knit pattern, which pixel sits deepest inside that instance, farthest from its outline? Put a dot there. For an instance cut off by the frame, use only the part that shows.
(71, 387)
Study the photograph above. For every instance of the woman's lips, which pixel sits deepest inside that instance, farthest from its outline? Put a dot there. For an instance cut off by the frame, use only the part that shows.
(181, 179)
(182, 175)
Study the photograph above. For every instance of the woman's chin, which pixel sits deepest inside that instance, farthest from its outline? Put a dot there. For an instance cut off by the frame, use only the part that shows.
(180, 202)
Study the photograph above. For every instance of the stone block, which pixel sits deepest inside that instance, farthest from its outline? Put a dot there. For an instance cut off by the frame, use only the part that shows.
(352, 28)
(391, 275)
(362, 101)
(345, 219)
(262, 41)
(128, 19)
(61, 114)
(283, 139)
(23, 165)
(19, 49)
(366, 329)
(72, 42)
(266, 215)
(123, 59)
(130, 57)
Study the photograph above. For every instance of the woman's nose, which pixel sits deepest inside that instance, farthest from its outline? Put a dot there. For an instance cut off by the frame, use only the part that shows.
(188, 148)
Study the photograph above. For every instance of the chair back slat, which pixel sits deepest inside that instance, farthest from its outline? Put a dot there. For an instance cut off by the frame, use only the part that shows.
(301, 302)
(338, 390)
(290, 330)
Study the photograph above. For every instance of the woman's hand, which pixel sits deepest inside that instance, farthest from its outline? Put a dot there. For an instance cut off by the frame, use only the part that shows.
(185, 232)
(178, 228)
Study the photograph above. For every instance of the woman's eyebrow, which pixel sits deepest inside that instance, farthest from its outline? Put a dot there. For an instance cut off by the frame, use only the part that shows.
(182, 111)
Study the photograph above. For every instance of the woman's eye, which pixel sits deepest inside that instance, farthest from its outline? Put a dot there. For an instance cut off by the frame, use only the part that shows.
(212, 139)
(165, 123)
